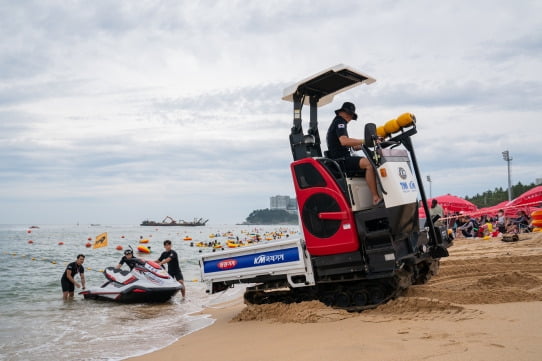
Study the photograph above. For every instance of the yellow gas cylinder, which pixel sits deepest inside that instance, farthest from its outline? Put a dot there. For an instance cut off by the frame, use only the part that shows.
(381, 132)
(391, 126)
(406, 119)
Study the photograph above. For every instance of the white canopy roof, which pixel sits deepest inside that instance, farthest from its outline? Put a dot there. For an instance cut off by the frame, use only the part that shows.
(327, 83)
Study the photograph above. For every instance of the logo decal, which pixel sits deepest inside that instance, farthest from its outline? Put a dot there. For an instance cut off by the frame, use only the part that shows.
(262, 259)
(272, 257)
(402, 173)
(340, 126)
(227, 264)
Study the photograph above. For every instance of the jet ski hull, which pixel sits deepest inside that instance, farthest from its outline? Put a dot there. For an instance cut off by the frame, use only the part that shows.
(147, 283)
(136, 295)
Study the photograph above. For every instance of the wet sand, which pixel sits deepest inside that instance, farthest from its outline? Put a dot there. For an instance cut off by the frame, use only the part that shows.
(485, 304)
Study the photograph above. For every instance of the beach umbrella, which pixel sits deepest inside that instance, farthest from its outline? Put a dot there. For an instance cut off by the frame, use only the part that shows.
(492, 210)
(532, 198)
(453, 204)
(421, 212)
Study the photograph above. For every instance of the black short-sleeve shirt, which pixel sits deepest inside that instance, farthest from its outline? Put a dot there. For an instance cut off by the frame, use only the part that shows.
(75, 268)
(132, 262)
(336, 130)
(173, 265)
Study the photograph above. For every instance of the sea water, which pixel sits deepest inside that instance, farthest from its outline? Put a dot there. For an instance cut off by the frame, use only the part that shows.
(37, 324)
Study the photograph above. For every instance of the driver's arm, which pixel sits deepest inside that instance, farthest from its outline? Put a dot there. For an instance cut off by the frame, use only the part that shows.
(350, 142)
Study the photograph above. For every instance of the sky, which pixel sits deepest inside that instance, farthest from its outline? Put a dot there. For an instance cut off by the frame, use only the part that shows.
(114, 112)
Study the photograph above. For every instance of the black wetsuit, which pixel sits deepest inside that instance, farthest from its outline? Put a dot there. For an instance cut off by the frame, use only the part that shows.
(67, 285)
(132, 262)
(337, 129)
(173, 267)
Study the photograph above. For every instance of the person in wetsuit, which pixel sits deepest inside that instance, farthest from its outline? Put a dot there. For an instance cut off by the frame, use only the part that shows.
(129, 259)
(68, 281)
(170, 257)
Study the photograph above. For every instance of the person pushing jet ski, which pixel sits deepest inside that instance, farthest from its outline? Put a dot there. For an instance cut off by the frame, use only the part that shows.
(170, 257)
(130, 260)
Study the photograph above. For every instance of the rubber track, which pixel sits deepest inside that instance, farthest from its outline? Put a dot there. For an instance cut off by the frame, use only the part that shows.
(378, 291)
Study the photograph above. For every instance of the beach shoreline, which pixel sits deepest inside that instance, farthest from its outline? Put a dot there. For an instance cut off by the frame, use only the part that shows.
(486, 303)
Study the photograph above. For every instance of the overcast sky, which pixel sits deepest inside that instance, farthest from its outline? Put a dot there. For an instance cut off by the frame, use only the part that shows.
(113, 112)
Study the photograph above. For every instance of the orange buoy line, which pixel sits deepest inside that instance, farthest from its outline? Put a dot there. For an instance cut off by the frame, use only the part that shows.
(51, 261)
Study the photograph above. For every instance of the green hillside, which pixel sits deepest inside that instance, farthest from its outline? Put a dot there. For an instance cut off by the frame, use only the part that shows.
(271, 216)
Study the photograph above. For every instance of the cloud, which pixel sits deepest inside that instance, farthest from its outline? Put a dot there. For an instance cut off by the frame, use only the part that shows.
(113, 112)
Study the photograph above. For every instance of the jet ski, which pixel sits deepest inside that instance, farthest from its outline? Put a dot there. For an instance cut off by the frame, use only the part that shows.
(146, 282)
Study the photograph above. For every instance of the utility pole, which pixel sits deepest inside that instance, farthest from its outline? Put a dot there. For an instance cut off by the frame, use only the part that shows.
(508, 159)
(430, 191)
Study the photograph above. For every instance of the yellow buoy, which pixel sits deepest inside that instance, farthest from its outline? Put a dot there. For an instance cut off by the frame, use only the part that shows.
(381, 132)
(391, 126)
(143, 249)
(406, 119)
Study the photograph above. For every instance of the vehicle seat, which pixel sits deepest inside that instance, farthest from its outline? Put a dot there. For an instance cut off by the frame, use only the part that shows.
(348, 173)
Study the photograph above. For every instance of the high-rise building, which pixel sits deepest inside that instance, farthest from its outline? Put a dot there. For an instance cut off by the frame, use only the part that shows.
(283, 202)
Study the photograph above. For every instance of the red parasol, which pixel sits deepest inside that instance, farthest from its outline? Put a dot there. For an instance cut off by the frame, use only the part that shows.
(532, 198)
(492, 210)
(453, 204)
(450, 204)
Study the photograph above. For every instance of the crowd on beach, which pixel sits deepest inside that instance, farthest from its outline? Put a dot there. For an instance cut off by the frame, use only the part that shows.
(464, 225)
(486, 225)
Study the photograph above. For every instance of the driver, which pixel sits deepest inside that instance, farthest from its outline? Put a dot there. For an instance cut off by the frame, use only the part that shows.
(339, 144)
(129, 259)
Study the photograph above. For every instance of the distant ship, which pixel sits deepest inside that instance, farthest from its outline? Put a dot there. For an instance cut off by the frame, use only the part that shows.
(168, 221)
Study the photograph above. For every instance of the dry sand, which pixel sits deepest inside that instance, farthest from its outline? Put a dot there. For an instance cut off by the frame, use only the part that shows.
(485, 304)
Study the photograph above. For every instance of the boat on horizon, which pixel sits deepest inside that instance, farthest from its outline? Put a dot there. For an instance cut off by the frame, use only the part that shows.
(168, 221)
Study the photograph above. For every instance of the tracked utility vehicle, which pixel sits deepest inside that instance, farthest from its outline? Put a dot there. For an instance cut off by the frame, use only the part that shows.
(353, 255)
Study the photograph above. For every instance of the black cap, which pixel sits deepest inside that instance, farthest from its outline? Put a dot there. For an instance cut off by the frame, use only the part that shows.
(348, 108)
(128, 251)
